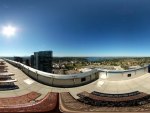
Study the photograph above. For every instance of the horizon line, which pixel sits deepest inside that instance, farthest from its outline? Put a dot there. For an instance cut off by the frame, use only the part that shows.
(78, 56)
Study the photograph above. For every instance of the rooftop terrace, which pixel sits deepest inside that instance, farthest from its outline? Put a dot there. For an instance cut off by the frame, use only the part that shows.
(30, 93)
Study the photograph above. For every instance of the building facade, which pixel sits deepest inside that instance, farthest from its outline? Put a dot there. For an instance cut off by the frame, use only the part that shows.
(43, 61)
(27, 62)
(18, 59)
(32, 61)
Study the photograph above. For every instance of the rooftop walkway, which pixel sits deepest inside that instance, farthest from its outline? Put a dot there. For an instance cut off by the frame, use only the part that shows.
(30, 96)
(27, 85)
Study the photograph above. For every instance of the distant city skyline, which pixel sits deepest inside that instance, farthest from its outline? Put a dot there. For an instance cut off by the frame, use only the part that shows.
(76, 27)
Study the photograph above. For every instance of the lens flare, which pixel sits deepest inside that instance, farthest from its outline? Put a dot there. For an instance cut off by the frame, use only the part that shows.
(8, 31)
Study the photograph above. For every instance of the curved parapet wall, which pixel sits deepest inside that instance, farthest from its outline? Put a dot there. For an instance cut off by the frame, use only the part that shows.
(56, 79)
(122, 75)
(74, 80)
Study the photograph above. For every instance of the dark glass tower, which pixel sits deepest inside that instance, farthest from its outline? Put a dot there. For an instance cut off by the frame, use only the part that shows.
(43, 61)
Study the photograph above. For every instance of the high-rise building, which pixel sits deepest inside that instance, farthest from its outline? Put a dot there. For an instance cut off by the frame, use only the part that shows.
(27, 62)
(32, 61)
(18, 59)
(43, 61)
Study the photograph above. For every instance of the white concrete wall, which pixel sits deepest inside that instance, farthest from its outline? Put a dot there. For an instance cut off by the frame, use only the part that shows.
(59, 82)
(33, 74)
(114, 76)
(75, 79)
(93, 76)
(122, 75)
(103, 74)
(56, 80)
(45, 80)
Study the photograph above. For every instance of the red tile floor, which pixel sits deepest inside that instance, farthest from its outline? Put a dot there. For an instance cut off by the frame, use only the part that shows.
(27, 103)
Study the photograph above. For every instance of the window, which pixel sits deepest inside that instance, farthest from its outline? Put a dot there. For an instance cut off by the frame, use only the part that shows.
(83, 79)
(129, 75)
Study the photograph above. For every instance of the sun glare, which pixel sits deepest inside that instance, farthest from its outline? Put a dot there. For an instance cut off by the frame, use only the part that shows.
(8, 31)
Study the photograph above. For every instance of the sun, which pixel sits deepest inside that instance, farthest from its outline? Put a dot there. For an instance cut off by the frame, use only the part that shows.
(9, 31)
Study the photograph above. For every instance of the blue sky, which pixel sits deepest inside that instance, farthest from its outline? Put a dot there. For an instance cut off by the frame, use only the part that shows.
(76, 27)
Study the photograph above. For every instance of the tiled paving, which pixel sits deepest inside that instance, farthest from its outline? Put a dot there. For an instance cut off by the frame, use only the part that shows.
(47, 104)
(70, 104)
(23, 99)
